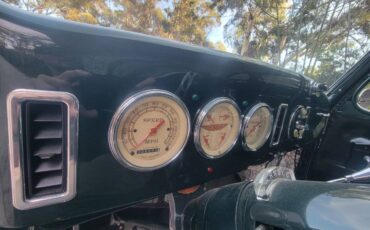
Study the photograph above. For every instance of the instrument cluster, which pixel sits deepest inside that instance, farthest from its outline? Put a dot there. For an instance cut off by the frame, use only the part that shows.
(154, 117)
(151, 128)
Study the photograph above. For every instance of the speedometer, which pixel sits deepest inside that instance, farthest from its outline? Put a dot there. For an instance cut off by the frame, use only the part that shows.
(257, 126)
(149, 130)
(217, 127)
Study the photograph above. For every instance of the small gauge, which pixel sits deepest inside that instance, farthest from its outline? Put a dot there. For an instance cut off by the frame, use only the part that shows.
(217, 127)
(363, 98)
(257, 126)
(298, 121)
(149, 130)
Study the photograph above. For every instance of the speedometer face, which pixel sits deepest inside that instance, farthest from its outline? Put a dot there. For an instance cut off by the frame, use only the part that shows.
(149, 130)
(257, 127)
(217, 127)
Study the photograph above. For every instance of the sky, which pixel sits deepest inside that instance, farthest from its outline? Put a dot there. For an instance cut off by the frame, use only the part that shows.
(217, 33)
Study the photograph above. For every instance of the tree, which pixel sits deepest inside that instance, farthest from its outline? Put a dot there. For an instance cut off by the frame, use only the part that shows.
(191, 21)
(300, 35)
(184, 20)
(92, 12)
(219, 45)
(140, 16)
(320, 38)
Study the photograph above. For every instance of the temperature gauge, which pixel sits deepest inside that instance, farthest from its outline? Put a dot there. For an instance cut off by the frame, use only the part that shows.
(257, 127)
(217, 127)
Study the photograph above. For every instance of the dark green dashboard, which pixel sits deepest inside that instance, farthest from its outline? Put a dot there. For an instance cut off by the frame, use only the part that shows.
(102, 67)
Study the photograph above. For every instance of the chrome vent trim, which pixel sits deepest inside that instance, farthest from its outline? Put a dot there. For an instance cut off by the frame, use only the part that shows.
(279, 124)
(15, 101)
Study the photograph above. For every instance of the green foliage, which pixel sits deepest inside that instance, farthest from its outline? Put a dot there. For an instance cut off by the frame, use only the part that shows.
(320, 38)
(191, 20)
(219, 46)
(182, 20)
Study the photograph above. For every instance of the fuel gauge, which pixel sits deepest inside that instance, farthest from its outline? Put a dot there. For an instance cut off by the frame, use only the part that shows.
(217, 127)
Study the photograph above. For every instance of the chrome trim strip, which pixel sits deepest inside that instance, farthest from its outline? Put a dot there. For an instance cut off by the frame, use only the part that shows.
(120, 112)
(280, 108)
(246, 119)
(14, 101)
(200, 117)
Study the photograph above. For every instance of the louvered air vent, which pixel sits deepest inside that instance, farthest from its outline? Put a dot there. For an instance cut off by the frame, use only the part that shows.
(42, 143)
(279, 124)
(44, 151)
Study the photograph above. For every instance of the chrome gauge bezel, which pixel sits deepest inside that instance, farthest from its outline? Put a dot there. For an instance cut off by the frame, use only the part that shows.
(121, 112)
(246, 119)
(293, 118)
(199, 120)
(359, 93)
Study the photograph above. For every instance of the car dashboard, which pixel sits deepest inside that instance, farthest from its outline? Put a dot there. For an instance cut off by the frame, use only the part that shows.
(115, 118)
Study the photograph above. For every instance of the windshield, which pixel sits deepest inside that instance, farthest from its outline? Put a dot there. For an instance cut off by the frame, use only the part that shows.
(318, 38)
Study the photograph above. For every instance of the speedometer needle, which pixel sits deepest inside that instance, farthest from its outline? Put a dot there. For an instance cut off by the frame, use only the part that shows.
(151, 133)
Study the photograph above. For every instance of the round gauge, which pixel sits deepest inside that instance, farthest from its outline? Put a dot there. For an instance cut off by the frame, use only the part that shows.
(257, 127)
(149, 130)
(217, 127)
(297, 122)
(363, 98)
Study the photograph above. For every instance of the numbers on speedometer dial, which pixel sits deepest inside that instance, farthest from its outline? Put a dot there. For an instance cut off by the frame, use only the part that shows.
(217, 127)
(257, 127)
(149, 130)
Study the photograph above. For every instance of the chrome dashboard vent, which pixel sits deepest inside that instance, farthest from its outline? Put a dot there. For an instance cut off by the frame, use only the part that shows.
(279, 124)
(42, 146)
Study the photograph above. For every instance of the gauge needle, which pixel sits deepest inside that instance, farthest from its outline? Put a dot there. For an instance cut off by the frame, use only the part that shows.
(222, 138)
(151, 133)
(254, 128)
(206, 140)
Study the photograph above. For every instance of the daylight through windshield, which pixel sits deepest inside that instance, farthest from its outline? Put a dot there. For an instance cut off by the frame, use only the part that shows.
(319, 38)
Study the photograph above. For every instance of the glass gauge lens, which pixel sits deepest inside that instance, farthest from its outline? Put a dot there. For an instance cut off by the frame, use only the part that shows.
(149, 130)
(363, 98)
(217, 127)
(298, 121)
(257, 127)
